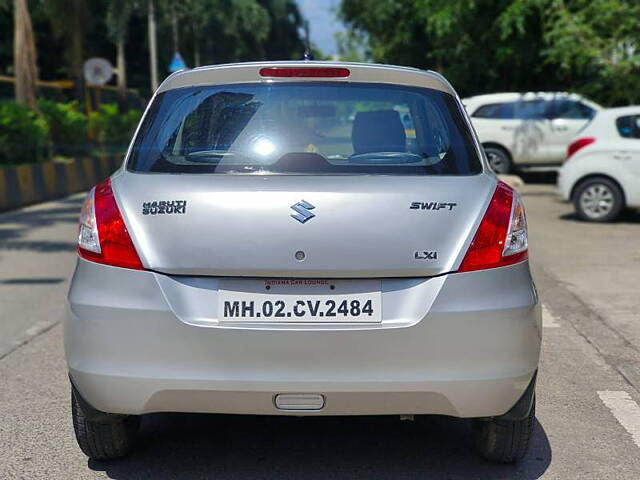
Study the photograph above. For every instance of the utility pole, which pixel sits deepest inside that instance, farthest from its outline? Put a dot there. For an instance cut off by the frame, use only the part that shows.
(153, 46)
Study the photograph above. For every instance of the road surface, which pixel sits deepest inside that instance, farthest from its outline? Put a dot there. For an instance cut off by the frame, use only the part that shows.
(588, 392)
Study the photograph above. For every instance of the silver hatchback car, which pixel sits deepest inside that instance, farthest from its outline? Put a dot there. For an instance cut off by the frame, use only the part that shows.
(303, 238)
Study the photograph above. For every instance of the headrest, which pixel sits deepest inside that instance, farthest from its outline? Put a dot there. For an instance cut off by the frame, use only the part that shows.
(378, 131)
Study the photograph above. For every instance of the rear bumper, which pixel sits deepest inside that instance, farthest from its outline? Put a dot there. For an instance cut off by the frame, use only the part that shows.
(467, 346)
(564, 185)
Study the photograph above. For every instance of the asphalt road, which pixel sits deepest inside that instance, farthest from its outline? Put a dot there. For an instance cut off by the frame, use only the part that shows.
(588, 392)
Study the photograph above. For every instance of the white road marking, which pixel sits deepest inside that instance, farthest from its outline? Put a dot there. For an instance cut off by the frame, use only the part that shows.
(548, 319)
(626, 411)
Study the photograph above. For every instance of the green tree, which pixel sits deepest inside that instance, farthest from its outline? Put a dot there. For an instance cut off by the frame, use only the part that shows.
(209, 31)
(69, 20)
(590, 46)
(196, 14)
(118, 16)
(464, 40)
(24, 56)
(352, 46)
(596, 45)
(245, 22)
(282, 42)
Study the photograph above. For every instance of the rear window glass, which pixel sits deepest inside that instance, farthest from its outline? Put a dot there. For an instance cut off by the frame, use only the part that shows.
(304, 128)
(530, 109)
(629, 126)
(520, 110)
(496, 111)
(572, 109)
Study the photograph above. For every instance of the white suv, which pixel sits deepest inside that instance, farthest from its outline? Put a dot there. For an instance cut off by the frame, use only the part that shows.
(521, 130)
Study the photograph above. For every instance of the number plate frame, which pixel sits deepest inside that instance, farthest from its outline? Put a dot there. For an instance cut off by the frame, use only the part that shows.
(299, 301)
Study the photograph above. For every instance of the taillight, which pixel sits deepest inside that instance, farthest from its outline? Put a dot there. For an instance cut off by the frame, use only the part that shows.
(578, 145)
(501, 238)
(305, 72)
(103, 236)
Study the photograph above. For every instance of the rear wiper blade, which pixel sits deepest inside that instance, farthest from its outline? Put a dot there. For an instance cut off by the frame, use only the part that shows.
(208, 156)
(209, 153)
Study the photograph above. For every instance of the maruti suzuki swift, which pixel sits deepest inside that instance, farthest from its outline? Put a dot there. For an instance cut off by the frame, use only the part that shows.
(303, 238)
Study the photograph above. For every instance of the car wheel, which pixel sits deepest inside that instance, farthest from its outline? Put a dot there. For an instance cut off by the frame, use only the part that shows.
(108, 437)
(504, 441)
(598, 200)
(499, 160)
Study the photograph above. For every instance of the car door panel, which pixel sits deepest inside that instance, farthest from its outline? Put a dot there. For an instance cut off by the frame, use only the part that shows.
(561, 133)
(531, 136)
(566, 117)
(627, 156)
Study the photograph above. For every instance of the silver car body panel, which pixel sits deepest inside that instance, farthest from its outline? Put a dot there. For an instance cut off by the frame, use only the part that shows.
(359, 72)
(363, 225)
(462, 344)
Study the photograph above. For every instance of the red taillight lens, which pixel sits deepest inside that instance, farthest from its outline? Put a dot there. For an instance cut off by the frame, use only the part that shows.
(103, 236)
(579, 144)
(304, 72)
(501, 238)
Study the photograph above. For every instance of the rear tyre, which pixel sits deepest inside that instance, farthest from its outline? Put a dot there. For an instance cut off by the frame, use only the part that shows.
(598, 199)
(105, 438)
(499, 160)
(504, 441)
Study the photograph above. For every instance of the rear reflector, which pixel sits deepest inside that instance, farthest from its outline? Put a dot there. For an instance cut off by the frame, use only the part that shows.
(103, 236)
(304, 72)
(579, 144)
(501, 238)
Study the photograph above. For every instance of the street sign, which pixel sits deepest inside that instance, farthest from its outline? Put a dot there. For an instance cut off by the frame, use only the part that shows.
(97, 71)
(177, 63)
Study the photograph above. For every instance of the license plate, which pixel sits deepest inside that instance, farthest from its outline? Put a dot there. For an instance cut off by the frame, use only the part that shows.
(300, 301)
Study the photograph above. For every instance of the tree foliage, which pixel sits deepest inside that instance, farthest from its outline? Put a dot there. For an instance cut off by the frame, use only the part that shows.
(589, 46)
(211, 32)
(69, 19)
(596, 43)
(23, 134)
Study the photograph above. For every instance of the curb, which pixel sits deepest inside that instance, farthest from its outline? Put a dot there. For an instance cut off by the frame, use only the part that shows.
(23, 185)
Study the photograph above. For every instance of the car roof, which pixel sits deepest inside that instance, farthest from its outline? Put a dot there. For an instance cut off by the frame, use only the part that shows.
(248, 72)
(619, 111)
(523, 96)
(603, 124)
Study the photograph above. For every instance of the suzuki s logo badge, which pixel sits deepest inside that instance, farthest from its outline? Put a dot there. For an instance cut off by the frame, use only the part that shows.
(302, 208)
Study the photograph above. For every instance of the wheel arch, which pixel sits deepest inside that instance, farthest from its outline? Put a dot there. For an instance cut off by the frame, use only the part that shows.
(590, 176)
(498, 145)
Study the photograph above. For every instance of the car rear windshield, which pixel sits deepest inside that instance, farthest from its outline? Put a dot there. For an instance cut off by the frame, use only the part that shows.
(304, 128)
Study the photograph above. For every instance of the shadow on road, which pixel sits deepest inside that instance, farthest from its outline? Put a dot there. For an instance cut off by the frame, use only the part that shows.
(627, 217)
(539, 177)
(238, 447)
(16, 226)
(32, 281)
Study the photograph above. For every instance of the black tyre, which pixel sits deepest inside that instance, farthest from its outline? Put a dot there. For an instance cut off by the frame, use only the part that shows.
(499, 160)
(106, 437)
(504, 441)
(598, 199)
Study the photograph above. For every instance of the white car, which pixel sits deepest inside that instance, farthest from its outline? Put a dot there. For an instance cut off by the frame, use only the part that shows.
(602, 173)
(524, 130)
